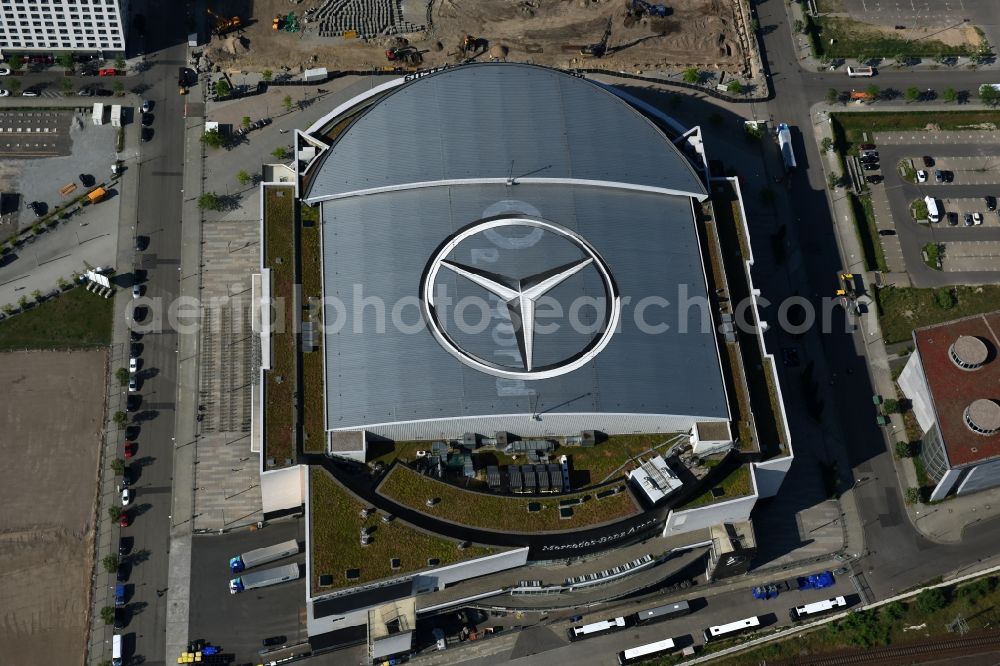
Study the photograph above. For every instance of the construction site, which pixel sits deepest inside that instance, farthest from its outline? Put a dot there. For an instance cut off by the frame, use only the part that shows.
(626, 35)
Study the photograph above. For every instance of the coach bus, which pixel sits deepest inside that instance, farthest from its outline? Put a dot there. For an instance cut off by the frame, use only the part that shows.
(817, 608)
(660, 613)
(855, 72)
(596, 629)
(732, 629)
(648, 651)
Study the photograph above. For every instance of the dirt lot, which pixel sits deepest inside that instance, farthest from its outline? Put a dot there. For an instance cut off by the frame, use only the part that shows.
(51, 419)
(701, 33)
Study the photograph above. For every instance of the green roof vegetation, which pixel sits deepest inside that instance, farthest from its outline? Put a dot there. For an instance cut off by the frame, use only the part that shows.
(736, 484)
(603, 462)
(311, 256)
(335, 530)
(902, 309)
(500, 512)
(75, 319)
(279, 236)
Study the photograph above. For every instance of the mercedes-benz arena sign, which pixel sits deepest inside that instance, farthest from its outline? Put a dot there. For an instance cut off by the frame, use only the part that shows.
(519, 293)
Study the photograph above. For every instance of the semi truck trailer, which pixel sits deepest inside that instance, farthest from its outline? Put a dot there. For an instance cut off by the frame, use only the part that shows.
(257, 579)
(258, 556)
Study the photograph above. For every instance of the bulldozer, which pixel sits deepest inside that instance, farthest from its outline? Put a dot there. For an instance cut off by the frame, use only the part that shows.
(225, 25)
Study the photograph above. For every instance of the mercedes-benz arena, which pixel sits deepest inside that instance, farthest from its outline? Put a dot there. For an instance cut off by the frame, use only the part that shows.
(509, 248)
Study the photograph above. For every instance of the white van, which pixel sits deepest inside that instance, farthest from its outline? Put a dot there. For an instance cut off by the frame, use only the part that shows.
(933, 211)
(116, 650)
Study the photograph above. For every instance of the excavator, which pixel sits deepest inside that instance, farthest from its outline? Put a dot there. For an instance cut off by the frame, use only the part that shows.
(407, 55)
(600, 48)
(225, 25)
(640, 8)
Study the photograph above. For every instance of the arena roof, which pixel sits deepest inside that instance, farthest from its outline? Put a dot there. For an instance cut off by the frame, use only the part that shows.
(608, 190)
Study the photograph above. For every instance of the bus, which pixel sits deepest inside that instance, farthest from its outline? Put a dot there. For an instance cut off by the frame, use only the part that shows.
(597, 628)
(660, 613)
(648, 651)
(855, 72)
(732, 629)
(817, 608)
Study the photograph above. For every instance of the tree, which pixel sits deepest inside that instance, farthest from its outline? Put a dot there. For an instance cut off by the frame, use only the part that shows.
(213, 139)
(14, 86)
(37, 295)
(222, 88)
(120, 63)
(117, 466)
(8, 309)
(23, 302)
(16, 62)
(826, 144)
(108, 614)
(833, 180)
(734, 87)
(798, 26)
(65, 60)
(692, 75)
(120, 418)
(243, 177)
(987, 95)
(114, 512)
(280, 153)
(832, 95)
(890, 406)
(904, 450)
(287, 102)
(122, 375)
(931, 600)
(267, 75)
(912, 495)
(949, 95)
(246, 121)
(66, 85)
(209, 201)
(863, 59)
(63, 284)
(119, 88)
(902, 60)
(912, 94)
(110, 562)
(873, 91)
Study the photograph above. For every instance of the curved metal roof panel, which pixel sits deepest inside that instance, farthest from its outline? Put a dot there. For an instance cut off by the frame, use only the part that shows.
(501, 120)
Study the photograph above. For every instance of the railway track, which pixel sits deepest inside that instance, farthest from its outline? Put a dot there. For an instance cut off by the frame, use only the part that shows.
(909, 653)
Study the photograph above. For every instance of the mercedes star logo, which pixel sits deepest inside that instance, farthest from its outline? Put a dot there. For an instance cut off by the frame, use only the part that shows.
(520, 296)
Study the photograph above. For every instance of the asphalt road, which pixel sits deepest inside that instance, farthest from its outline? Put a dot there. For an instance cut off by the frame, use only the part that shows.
(158, 217)
(238, 623)
(898, 556)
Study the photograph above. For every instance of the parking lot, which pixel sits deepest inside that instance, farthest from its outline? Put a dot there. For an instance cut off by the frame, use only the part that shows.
(42, 133)
(969, 166)
(239, 622)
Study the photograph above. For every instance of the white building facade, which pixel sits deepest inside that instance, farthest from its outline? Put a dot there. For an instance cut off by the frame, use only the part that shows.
(32, 26)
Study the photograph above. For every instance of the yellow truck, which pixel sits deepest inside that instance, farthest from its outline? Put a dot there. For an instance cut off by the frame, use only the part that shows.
(97, 195)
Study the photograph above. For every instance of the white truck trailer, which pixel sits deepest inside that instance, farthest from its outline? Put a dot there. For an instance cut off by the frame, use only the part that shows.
(258, 556)
(785, 143)
(265, 578)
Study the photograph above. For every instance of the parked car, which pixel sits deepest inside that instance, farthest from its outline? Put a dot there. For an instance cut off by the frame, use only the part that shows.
(141, 242)
(4, 92)
(938, 176)
(928, 161)
(122, 575)
(868, 158)
(4, 71)
(129, 449)
(949, 176)
(140, 312)
(146, 134)
(147, 119)
(870, 166)
(273, 641)
(977, 218)
(968, 220)
(133, 384)
(991, 203)
(867, 146)
(147, 105)
(874, 180)
(886, 232)
(29, 92)
(953, 219)
(136, 290)
(133, 402)
(124, 546)
(127, 496)
(103, 92)
(921, 176)
(133, 365)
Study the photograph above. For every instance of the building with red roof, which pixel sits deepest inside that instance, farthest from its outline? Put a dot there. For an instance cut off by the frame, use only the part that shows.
(953, 380)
